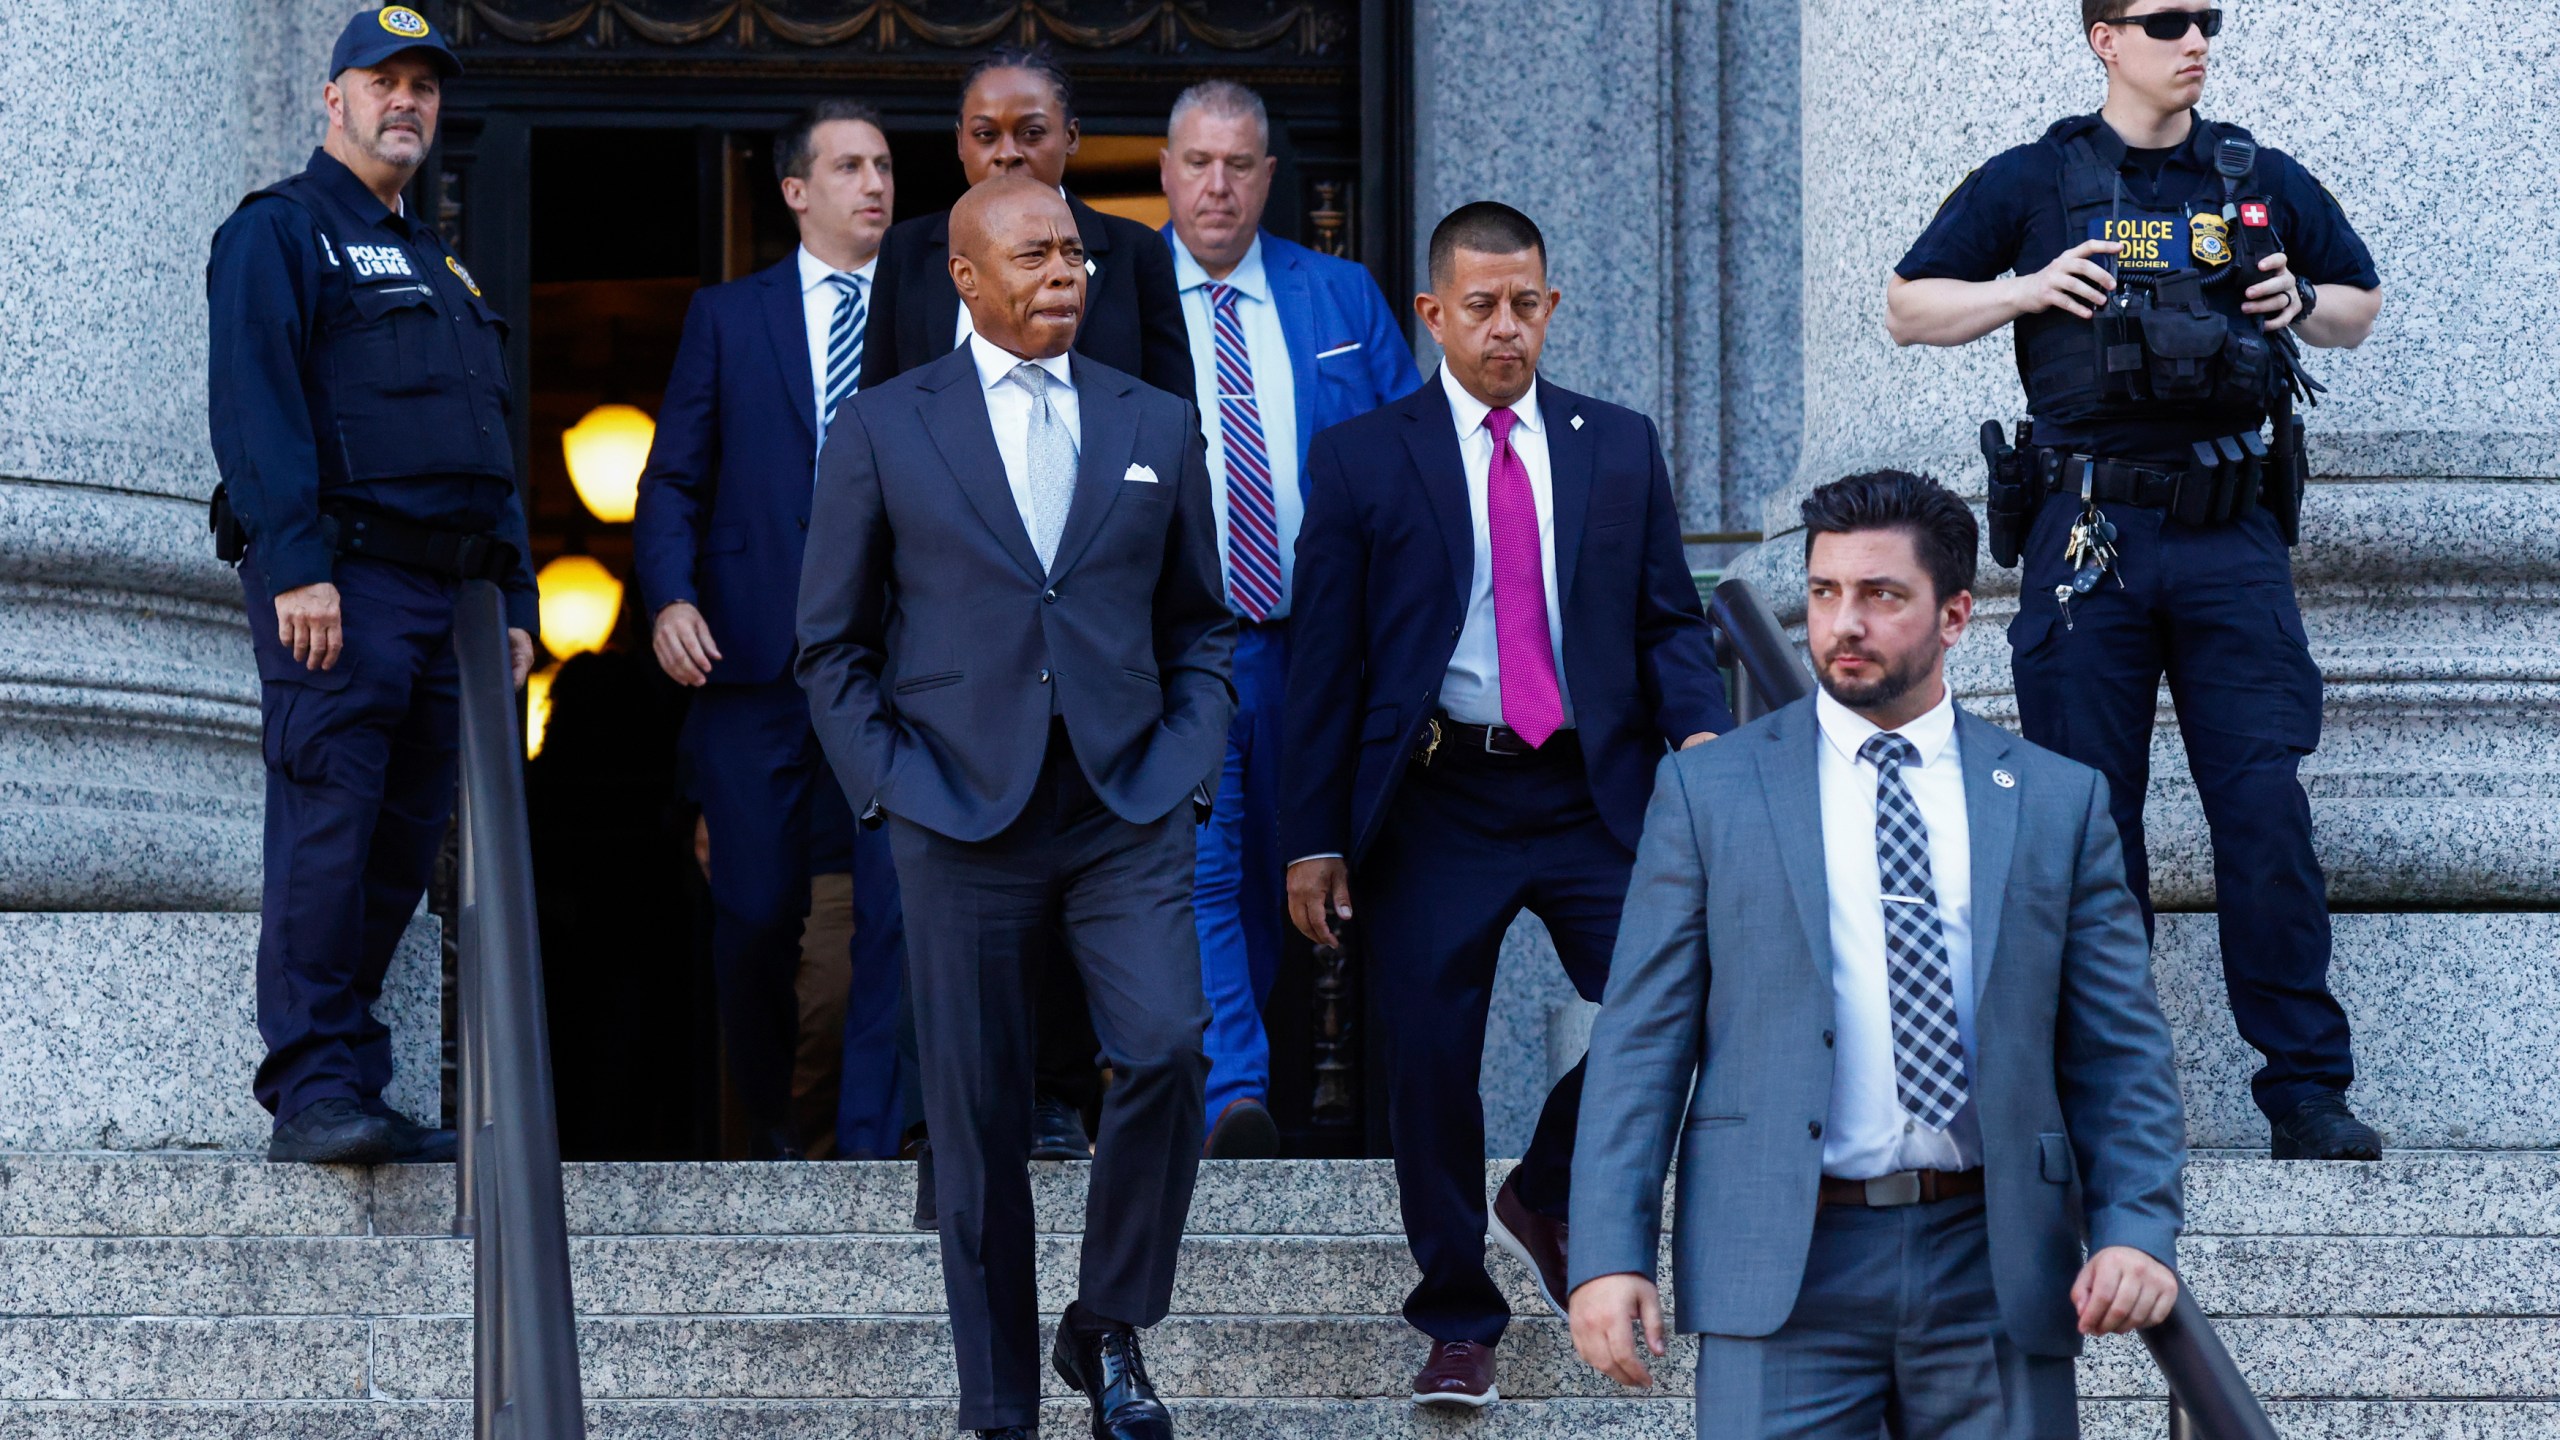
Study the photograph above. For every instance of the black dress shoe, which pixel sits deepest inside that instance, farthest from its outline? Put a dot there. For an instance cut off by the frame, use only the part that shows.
(331, 1132)
(1057, 1132)
(928, 1214)
(413, 1143)
(1244, 1132)
(1010, 1432)
(2323, 1128)
(1104, 1366)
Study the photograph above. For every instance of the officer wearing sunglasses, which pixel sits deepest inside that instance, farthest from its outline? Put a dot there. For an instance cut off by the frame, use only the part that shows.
(2160, 273)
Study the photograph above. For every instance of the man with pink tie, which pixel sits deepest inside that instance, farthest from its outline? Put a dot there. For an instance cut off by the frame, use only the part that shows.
(1496, 639)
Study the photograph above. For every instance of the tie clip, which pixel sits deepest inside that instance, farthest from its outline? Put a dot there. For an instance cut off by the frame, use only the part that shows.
(1906, 899)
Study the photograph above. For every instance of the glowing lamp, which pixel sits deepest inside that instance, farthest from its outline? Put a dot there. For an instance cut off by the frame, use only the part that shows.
(606, 450)
(580, 601)
(537, 707)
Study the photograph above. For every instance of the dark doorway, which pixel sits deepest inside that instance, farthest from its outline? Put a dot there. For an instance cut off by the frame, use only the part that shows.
(600, 162)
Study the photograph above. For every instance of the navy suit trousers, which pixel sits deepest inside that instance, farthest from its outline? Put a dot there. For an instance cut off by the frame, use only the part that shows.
(1470, 841)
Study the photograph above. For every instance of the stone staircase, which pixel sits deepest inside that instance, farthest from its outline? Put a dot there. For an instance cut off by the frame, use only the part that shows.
(190, 1296)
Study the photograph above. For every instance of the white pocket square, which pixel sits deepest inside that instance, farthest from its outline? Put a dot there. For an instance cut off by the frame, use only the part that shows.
(1140, 475)
(1337, 350)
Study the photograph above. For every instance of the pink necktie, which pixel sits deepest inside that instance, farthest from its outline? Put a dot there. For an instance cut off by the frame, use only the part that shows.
(1532, 701)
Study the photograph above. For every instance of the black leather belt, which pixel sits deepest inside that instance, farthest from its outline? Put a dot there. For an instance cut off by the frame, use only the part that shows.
(1903, 1187)
(1444, 738)
(453, 554)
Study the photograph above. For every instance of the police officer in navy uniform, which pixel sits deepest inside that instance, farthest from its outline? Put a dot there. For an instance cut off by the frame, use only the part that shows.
(359, 405)
(2156, 268)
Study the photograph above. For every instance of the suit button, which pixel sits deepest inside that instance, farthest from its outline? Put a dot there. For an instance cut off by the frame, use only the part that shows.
(1050, 598)
(1814, 1129)
(1044, 677)
(1826, 1039)
(804, 522)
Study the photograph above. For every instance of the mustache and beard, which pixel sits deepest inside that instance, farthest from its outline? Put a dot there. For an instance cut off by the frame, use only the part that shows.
(396, 137)
(1896, 680)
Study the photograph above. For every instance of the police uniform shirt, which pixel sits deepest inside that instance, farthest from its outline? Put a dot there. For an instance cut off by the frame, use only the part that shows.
(2007, 218)
(354, 361)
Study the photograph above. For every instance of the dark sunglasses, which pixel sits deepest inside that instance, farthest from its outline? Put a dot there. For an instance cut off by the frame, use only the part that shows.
(2172, 24)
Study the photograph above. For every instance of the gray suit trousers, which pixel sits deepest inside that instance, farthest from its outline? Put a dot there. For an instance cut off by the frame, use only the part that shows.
(1896, 1332)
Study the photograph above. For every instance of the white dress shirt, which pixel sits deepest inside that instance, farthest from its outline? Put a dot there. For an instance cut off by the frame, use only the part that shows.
(1275, 393)
(1009, 413)
(1472, 691)
(1869, 1134)
(818, 311)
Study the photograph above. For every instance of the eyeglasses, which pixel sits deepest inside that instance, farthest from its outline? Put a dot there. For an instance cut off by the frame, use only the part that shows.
(2172, 24)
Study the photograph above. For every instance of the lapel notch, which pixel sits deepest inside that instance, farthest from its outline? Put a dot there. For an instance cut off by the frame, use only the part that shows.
(787, 321)
(1991, 819)
(955, 415)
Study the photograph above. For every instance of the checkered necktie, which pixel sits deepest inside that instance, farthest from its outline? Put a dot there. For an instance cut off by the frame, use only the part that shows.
(1049, 453)
(1928, 1052)
(844, 348)
(1253, 515)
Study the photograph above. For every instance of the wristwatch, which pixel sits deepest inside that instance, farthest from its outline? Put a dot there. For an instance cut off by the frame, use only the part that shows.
(2310, 299)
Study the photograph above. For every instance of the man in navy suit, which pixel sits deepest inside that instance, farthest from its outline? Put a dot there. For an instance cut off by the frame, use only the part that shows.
(1014, 646)
(1018, 117)
(1285, 342)
(1497, 638)
(764, 365)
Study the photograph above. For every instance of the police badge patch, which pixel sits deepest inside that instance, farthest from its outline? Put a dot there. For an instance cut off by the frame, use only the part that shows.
(404, 22)
(2210, 239)
(462, 275)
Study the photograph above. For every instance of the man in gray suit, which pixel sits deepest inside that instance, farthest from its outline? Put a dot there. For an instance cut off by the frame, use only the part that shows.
(1894, 947)
(1015, 643)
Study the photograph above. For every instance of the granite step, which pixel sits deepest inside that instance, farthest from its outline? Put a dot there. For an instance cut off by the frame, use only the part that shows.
(2414, 1193)
(1626, 1419)
(884, 1275)
(1281, 1357)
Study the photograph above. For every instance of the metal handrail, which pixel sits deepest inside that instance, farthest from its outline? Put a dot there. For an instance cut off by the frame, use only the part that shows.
(507, 1187)
(1768, 673)
(2208, 1399)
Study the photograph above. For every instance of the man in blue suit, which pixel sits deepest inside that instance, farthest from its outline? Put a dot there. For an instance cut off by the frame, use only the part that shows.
(1285, 342)
(724, 509)
(1496, 639)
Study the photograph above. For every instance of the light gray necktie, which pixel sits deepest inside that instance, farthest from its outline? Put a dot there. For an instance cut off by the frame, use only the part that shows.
(1049, 454)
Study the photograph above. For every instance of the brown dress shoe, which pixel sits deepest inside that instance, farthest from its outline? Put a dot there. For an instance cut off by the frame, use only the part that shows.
(1460, 1373)
(1537, 1240)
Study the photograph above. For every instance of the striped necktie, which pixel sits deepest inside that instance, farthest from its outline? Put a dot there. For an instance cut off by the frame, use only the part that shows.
(844, 348)
(1253, 514)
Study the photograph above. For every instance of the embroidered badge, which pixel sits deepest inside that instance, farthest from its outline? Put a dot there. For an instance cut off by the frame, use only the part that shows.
(373, 262)
(2253, 213)
(2151, 241)
(462, 275)
(404, 22)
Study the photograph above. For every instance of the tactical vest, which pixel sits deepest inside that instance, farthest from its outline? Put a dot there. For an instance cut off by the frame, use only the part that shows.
(405, 366)
(2171, 338)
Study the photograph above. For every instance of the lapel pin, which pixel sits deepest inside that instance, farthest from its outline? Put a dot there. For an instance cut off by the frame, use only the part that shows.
(1577, 422)
(2004, 779)
(1091, 269)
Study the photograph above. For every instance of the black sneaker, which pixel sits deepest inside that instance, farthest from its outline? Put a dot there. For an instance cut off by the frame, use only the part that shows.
(2323, 1128)
(334, 1131)
(413, 1143)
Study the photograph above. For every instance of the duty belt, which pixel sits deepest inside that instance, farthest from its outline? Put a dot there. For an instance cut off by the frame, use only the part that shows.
(453, 554)
(2199, 494)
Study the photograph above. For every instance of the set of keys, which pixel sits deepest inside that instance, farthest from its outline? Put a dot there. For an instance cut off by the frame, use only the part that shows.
(2091, 552)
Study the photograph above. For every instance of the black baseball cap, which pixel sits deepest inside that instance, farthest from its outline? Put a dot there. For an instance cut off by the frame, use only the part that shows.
(374, 36)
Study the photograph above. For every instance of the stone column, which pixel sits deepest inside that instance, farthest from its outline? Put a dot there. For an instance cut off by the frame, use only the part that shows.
(2427, 585)
(130, 778)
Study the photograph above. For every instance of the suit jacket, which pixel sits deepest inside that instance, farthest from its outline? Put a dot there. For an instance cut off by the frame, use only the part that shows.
(1347, 351)
(1132, 314)
(724, 499)
(1720, 1005)
(1386, 556)
(934, 649)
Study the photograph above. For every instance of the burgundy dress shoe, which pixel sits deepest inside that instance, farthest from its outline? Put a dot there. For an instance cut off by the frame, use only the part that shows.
(1244, 1132)
(1460, 1373)
(1537, 1240)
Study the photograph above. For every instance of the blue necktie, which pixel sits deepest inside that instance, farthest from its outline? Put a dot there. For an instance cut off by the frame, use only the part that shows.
(844, 349)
